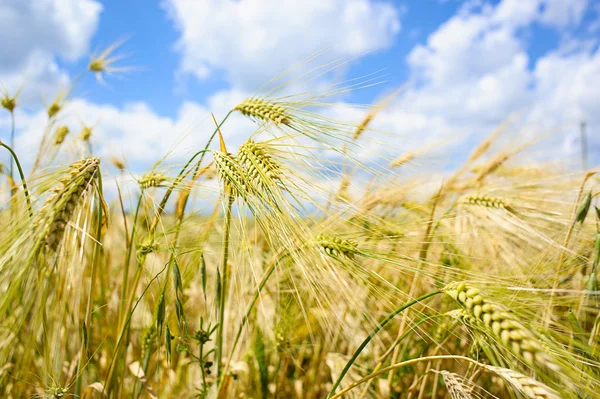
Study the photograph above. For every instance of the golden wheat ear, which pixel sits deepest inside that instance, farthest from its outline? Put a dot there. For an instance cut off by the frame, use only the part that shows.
(59, 208)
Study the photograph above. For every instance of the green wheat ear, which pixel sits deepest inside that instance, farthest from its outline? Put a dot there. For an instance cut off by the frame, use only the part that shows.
(485, 201)
(265, 110)
(262, 170)
(151, 179)
(337, 247)
(60, 134)
(503, 324)
(231, 173)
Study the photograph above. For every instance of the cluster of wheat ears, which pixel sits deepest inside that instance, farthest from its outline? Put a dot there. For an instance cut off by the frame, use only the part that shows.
(311, 273)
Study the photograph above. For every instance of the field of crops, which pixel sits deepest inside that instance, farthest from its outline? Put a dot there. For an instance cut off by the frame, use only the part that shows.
(297, 265)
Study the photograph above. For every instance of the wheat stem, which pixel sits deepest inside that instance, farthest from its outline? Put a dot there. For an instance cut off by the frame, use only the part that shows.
(257, 293)
(111, 366)
(427, 238)
(128, 260)
(88, 312)
(563, 252)
(23, 182)
(370, 337)
(12, 144)
(224, 282)
(400, 365)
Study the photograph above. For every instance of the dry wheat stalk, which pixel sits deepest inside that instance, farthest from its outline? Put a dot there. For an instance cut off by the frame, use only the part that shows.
(118, 163)
(86, 133)
(402, 159)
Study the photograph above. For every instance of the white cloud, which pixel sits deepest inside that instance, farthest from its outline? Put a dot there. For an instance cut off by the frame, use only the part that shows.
(559, 13)
(474, 71)
(35, 32)
(135, 131)
(251, 41)
(563, 13)
(471, 74)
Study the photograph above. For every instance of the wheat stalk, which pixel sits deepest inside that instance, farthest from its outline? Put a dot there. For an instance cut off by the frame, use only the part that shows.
(402, 159)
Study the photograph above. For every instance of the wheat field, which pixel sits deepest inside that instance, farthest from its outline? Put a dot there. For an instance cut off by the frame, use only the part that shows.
(293, 266)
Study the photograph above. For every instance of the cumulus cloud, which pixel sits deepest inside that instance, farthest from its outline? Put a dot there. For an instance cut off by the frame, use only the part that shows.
(251, 41)
(135, 131)
(36, 32)
(474, 71)
(470, 74)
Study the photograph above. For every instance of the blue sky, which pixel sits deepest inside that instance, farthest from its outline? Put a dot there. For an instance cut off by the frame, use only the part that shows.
(468, 64)
(151, 38)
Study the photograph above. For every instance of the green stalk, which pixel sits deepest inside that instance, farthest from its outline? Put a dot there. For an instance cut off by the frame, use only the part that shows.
(88, 312)
(404, 364)
(257, 293)
(147, 357)
(171, 259)
(12, 142)
(23, 182)
(372, 335)
(224, 281)
(161, 207)
(398, 340)
(128, 259)
(124, 328)
(155, 221)
(163, 203)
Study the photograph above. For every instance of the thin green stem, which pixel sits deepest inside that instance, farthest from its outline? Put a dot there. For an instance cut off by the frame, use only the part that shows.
(23, 182)
(122, 334)
(161, 207)
(180, 176)
(372, 335)
(396, 342)
(257, 293)
(12, 142)
(224, 281)
(128, 259)
(88, 312)
(404, 364)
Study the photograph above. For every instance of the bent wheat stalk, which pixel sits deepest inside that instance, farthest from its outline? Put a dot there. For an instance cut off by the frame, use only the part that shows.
(369, 338)
(528, 386)
(23, 182)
